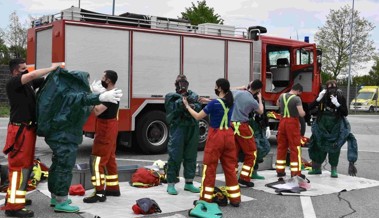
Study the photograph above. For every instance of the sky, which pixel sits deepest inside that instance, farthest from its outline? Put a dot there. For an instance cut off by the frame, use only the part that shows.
(285, 18)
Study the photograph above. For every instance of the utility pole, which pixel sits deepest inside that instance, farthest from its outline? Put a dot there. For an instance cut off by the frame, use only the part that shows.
(79, 3)
(351, 45)
(113, 8)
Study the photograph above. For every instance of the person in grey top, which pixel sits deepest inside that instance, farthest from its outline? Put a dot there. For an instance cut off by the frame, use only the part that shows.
(244, 103)
(291, 108)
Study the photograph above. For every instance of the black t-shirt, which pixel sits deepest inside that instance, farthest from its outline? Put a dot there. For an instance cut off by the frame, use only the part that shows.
(22, 99)
(111, 111)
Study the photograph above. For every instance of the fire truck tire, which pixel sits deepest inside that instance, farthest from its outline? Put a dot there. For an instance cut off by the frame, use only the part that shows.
(152, 132)
(203, 133)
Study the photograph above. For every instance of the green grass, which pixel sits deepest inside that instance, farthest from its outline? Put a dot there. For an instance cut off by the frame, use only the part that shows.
(4, 110)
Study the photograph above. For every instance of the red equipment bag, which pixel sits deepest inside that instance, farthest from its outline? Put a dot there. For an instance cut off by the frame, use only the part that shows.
(145, 178)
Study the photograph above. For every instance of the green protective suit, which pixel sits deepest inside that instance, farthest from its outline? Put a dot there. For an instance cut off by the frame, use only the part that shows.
(328, 136)
(184, 136)
(62, 109)
(263, 145)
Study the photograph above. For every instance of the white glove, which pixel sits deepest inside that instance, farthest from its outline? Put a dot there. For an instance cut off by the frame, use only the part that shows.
(97, 88)
(113, 96)
(322, 93)
(268, 132)
(334, 101)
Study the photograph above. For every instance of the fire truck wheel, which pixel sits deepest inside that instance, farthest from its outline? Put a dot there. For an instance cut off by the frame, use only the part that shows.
(152, 132)
(203, 133)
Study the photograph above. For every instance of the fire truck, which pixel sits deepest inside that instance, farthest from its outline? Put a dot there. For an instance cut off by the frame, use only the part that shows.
(148, 52)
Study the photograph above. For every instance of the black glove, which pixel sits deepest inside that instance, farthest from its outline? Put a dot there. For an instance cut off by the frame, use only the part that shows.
(192, 99)
(352, 169)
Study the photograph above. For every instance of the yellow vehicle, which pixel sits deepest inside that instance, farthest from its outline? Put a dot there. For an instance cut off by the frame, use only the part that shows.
(366, 100)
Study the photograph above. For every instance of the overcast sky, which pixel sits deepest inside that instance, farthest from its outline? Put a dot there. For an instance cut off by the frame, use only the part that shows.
(286, 18)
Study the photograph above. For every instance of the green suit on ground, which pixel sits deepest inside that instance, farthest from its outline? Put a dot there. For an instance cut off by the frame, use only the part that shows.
(62, 110)
(184, 136)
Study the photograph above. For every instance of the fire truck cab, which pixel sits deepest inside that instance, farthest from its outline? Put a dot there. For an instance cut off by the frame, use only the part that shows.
(148, 52)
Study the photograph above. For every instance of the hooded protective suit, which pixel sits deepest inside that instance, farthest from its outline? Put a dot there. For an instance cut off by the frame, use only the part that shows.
(62, 109)
(330, 132)
(184, 136)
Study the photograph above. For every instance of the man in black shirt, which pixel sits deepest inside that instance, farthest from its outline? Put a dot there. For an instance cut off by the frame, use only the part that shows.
(21, 135)
(103, 159)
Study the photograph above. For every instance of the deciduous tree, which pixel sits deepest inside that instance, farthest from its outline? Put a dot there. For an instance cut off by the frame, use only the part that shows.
(201, 13)
(334, 39)
(15, 36)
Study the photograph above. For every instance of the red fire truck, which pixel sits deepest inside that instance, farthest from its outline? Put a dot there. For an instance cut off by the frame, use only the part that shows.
(148, 52)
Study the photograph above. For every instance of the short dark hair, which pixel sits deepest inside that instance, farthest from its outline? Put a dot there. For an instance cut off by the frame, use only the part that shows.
(111, 75)
(14, 63)
(256, 84)
(297, 87)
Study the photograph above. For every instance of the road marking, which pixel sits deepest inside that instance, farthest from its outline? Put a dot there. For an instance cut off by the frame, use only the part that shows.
(306, 204)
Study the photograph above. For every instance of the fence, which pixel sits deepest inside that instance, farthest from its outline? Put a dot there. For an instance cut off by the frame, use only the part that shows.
(4, 76)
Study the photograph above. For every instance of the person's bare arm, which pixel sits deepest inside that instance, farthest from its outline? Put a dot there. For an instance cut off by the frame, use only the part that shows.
(301, 110)
(260, 103)
(99, 109)
(278, 101)
(35, 74)
(238, 88)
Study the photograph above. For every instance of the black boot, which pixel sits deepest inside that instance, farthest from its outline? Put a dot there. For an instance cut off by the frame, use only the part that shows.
(19, 213)
(112, 193)
(95, 197)
(243, 182)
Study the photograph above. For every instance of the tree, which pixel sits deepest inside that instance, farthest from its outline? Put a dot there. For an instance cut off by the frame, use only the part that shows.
(325, 76)
(201, 14)
(4, 53)
(374, 72)
(334, 39)
(15, 36)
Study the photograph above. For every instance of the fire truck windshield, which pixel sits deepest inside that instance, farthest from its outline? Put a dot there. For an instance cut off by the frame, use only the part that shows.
(274, 56)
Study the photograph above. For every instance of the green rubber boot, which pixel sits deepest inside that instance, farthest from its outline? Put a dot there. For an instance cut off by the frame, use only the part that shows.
(53, 202)
(65, 207)
(191, 188)
(316, 169)
(257, 176)
(334, 173)
(171, 189)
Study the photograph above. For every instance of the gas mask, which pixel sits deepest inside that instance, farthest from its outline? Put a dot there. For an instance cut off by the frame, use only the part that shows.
(181, 86)
(332, 91)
